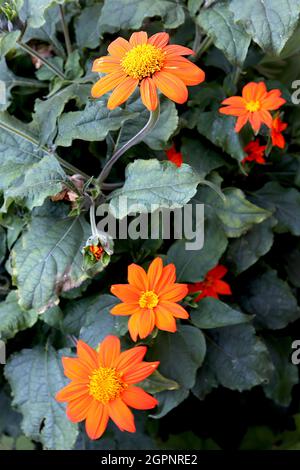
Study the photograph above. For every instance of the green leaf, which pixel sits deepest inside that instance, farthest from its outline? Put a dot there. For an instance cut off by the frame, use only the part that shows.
(285, 374)
(53, 107)
(35, 376)
(212, 313)
(201, 158)
(91, 124)
(8, 41)
(86, 27)
(270, 23)
(95, 320)
(165, 127)
(205, 381)
(220, 131)
(238, 214)
(13, 319)
(243, 252)
(8, 81)
(158, 383)
(292, 266)
(32, 11)
(47, 259)
(130, 14)
(28, 173)
(192, 265)
(218, 23)
(151, 184)
(284, 202)
(180, 355)
(271, 301)
(238, 359)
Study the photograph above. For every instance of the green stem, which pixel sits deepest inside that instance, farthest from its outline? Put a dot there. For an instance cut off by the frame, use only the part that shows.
(35, 54)
(31, 139)
(65, 30)
(111, 186)
(93, 220)
(205, 44)
(152, 121)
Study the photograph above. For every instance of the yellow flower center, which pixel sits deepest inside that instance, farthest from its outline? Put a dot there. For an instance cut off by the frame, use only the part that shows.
(148, 299)
(106, 384)
(143, 61)
(253, 106)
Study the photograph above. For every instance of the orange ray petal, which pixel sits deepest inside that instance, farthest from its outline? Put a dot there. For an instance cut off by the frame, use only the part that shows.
(273, 100)
(175, 49)
(119, 47)
(176, 310)
(128, 359)
(106, 64)
(231, 111)
(266, 117)
(249, 90)
(171, 86)
(255, 121)
(109, 351)
(78, 409)
(121, 415)
(168, 277)
(241, 121)
(97, 419)
(133, 326)
(260, 91)
(174, 292)
(140, 372)
(235, 101)
(149, 94)
(126, 292)
(154, 272)
(141, 37)
(159, 39)
(122, 92)
(146, 323)
(137, 277)
(164, 319)
(107, 83)
(137, 398)
(74, 369)
(125, 309)
(188, 72)
(72, 391)
(87, 355)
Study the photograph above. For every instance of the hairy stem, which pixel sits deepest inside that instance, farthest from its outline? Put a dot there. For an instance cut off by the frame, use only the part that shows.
(152, 121)
(65, 30)
(35, 54)
(93, 219)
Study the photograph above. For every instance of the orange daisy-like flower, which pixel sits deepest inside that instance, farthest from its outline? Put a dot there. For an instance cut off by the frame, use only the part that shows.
(254, 106)
(150, 63)
(276, 132)
(174, 156)
(102, 385)
(150, 299)
(212, 285)
(255, 152)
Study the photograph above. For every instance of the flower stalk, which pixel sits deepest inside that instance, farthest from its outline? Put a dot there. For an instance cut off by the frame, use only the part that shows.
(152, 121)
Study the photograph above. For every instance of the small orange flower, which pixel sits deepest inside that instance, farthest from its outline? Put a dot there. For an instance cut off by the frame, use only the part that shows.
(149, 63)
(174, 156)
(102, 385)
(255, 152)
(276, 132)
(97, 251)
(150, 299)
(254, 106)
(212, 285)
